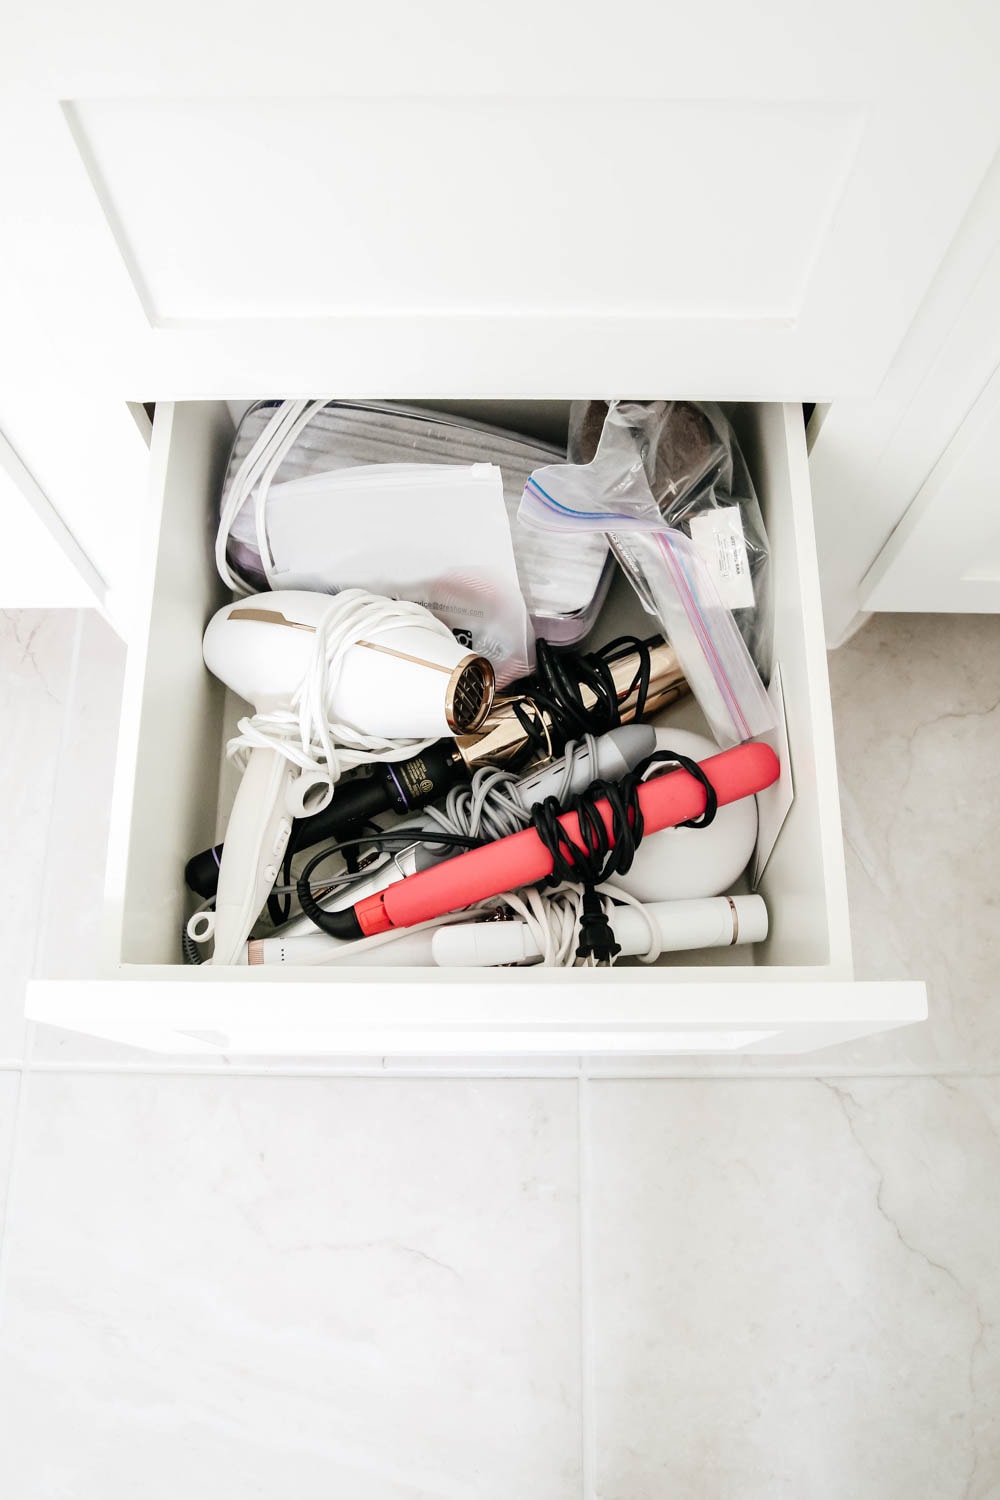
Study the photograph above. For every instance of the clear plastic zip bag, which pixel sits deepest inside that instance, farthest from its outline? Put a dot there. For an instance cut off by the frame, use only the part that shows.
(612, 494)
(699, 479)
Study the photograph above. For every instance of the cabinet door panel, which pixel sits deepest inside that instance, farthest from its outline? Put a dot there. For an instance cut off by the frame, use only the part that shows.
(452, 200)
(944, 555)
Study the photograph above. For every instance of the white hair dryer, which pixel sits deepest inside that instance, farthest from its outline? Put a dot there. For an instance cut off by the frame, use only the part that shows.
(336, 681)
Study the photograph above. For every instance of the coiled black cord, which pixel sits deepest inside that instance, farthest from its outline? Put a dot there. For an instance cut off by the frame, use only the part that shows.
(556, 688)
(599, 854)
(587, 863)
(279, 909)
(343, 924)
(190, 949)
(279, 902)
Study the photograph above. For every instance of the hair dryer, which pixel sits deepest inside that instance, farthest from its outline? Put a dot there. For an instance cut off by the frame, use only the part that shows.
(335, 681)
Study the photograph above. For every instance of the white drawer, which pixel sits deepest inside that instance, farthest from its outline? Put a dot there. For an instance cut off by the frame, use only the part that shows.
(170, 800)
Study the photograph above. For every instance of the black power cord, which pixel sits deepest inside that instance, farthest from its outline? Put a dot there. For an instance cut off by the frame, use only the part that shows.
(279, 908)
(343, 924)
(557, 683)
(599, 855)
(586, 863)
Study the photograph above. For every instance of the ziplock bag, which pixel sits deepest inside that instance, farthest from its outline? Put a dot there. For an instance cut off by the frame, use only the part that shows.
(612, 494)
(700, 483)
(436, 534)
(564, 579)
(702, 487)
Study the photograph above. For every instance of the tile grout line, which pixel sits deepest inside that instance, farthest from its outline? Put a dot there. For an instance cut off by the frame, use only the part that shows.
(584, 1208)
(319, 1070)
(797, 1075)
(273, 1070)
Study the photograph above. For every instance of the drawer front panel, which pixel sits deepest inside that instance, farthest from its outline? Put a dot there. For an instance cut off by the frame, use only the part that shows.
(243, 1018)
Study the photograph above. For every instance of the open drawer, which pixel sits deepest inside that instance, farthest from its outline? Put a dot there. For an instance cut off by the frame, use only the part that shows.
(796, 993)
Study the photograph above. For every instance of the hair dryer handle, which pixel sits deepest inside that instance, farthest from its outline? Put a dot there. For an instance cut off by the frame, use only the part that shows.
(258, 831)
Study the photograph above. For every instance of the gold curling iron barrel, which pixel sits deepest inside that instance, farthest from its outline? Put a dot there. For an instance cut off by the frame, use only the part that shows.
(520, 731)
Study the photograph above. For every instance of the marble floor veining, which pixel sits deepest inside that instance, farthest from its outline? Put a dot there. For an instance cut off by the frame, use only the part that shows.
(917, 717)
(774, 1281)
(796, 1289)
(293, 1287)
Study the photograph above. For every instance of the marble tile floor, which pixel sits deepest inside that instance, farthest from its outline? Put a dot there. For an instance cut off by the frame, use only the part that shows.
(778, 1280)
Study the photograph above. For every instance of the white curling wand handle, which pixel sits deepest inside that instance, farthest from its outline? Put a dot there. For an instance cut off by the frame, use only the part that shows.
(714, 922)
(412, 950)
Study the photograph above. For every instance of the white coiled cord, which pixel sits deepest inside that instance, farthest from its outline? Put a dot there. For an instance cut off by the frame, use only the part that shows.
(553, 919)
(485, 807)
(304, 733)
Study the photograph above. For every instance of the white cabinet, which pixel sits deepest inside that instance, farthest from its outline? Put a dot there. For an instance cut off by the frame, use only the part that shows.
(791, 993)
(945, 553)
(450, 200)
(217, 203)
(40, 565)
(902, 482)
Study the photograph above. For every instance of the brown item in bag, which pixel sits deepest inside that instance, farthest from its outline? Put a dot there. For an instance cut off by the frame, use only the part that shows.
(688, 450)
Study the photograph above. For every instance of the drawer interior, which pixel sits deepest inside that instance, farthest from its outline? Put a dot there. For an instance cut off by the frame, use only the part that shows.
(174, 786)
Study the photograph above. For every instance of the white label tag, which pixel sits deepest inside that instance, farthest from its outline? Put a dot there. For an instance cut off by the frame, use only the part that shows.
(718, 540)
